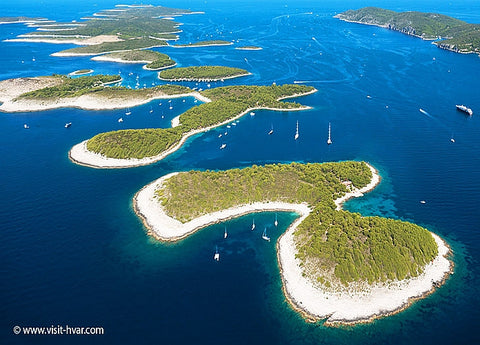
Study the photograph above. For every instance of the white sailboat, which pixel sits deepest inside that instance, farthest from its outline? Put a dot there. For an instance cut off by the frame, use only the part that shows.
(26, 126)
(276, 221)
(216, 256)
(329, 140)
(296, 133)
(223, 146)
(271, 131)
(264, 235)
(253, 224)
(225, 234)
(128, 112)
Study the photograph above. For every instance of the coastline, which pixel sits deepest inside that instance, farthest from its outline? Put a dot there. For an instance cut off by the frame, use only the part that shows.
(87, 102)
(205, 79)
(119, 60)
(80, 155)
(344, 307)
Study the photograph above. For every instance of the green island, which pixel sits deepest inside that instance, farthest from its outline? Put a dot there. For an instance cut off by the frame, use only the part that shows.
(335, 247)
(71, 87)
(20, 19)
(110, 30)
(96, 85)
(454, 34)
(204, 44)
(154, 60)
(249, 48)
(107, 47)
(81, 72)
(226, 104)
(202, 73)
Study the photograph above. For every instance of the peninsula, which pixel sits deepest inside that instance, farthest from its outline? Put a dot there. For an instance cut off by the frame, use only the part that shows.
(335, 265)
(129, 148)
(202, 73)
(449, 33)
(153, 60)
(86, 92)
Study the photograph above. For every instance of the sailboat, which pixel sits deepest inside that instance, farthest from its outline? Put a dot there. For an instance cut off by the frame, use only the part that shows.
(128, 112)
(329, 140)
(264, 235)
(296, 133)
(151, 110)
(26, 126)
(223, 146)
(271, 131)
(216, 256)
(253, 224)
(276, 221)
(225, 234)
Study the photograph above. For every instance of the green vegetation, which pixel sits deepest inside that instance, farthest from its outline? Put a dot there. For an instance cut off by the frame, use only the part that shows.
(202, 73)
(129, 23)
(107, 47)
(72, 87)
(155, 59)
(135, 143)
(227, 103)
(458, 35)
(82, 71)
(249, 48)
(20, 19)
(205, 43)
(335, 246)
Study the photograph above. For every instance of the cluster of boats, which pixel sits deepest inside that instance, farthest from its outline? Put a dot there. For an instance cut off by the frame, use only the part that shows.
(265, 237)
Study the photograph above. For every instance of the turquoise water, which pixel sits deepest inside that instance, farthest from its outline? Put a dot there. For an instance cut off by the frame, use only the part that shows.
(74, 253)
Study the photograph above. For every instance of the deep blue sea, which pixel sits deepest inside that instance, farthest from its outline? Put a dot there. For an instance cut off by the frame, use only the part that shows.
(73, 252)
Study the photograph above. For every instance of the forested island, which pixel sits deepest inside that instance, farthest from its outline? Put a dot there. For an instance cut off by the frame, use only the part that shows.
(204, 44)
(225, 104)
(450, 33)
(132, 27)
(349, 262)
(86, 92)
(153, 60)
(202, 73)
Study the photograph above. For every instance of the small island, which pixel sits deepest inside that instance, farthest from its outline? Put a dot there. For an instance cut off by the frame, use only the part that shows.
(335, 265)
(204, 44)
(85, 92)
(449, 33)
(249, 48)
(81, 72)
(202, 73)
(136, 147)
(153, 60)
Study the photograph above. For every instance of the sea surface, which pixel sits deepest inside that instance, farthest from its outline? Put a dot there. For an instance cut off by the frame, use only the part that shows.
(73, 252)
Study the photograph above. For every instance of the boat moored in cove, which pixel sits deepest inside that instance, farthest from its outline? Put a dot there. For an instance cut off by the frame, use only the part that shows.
(465, 109)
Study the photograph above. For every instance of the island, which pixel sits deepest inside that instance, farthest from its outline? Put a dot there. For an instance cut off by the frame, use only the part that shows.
(136, 147)
(123, 28)
(85, 92)
(202, 73)
(249, 48)
(204, 44)
(335, 265)
(153, 60)
(81, 72)
(449, 33)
